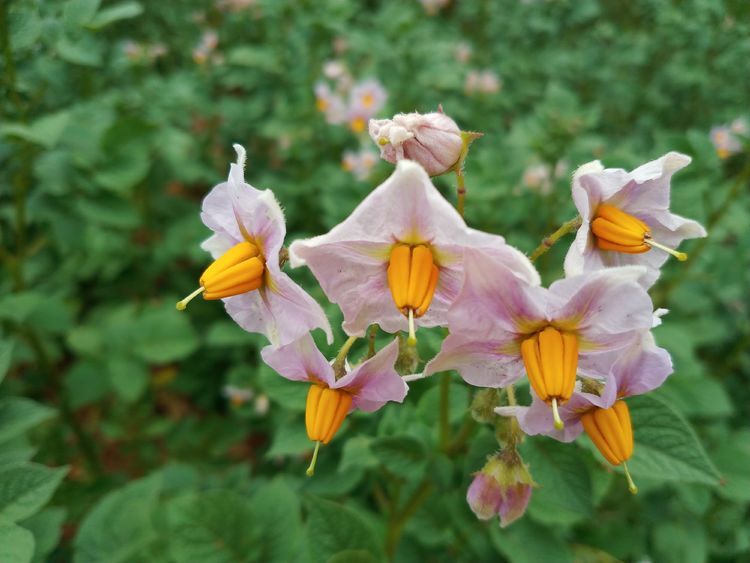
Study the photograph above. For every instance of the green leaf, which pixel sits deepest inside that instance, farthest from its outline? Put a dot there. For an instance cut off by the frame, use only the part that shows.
(86, 51)
(525, 541)
(290, 439)
(129, 378)
(565, 491)
(44, 131)
(428, 407)
(79, 12)
(276, 510)
(6, 355)
(121, 525)
(18, 414)
(16, 543)
(333, 528)
(352, 556)
(357, 454)
(214, 526)
(47, 529)
(109, 15)
(733, 460)
(227, 333)
(163, 336)
(666, 447)
(401, 455)
(24, 489)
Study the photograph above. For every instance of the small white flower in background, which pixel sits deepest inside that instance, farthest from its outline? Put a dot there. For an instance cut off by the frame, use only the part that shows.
(330, 104)
(334, 70)
(482, 82)
(359, 163)
(261, 405)
(537, 179)
(432, 7)
(727, 138)
(238, 396)
(462, 52)
(132, 50)
(208, 43)
(365, 100)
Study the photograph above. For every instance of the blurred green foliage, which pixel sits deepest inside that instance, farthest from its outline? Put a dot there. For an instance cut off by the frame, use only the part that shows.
(105, 155)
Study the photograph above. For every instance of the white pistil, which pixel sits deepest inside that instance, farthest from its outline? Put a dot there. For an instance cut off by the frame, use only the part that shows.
(631, 485)
(681, 256)
(311, 470)
(556, 415)
(180, 305)
(412, 340)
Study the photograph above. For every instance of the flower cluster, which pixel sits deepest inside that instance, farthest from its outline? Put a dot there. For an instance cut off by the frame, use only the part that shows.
(405, 258)
(205, 51)
(344, 101)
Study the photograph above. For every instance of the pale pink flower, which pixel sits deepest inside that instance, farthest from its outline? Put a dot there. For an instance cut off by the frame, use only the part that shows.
(432, 139)
(239, 213)
(331, 104)
(499, 323)
(238, 396)
(365, 100)
(359, 163)
(502, 488)
(639, 368)
(727, 138)
(636, 201)
(537, 178)
(483, 82)
(206, 47)
(405, 213)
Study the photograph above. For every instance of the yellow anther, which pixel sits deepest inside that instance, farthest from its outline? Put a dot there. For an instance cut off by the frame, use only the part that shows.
(611, 431)
(619, 231)
(239, 270)
(551, 360)
(412, 279)
(325, 411)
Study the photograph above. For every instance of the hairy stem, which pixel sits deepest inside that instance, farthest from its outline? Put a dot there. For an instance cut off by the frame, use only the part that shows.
(339, 362)
(549, 241)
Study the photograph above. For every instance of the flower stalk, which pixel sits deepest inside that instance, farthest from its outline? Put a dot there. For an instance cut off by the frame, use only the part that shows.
(549, 241)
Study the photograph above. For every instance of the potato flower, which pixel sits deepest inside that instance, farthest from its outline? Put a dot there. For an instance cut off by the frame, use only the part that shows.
(397, 260)
(249, 232)
(626, 218)
(336, 390)
(500, 325)
(603, 416)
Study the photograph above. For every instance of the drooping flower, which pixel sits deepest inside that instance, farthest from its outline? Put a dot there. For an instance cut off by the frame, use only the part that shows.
(502, 488)
(336, 390)
(249, 232)
(397, 260)
(365, 100)
(626, 218)
(500, 325)
(600, 410)
(433, 140)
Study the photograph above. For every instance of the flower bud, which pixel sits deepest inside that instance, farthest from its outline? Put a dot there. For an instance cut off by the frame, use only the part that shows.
(433, 140)
(502, 487)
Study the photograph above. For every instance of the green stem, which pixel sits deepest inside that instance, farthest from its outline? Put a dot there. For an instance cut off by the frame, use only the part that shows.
(10, 67)
(461, 186)
(445, 389)
(399, 519)
(372, 333)
(549, 241)
(338, 363)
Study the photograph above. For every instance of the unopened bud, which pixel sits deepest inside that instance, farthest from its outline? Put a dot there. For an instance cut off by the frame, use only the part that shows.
(503, 488)
(433, 140)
